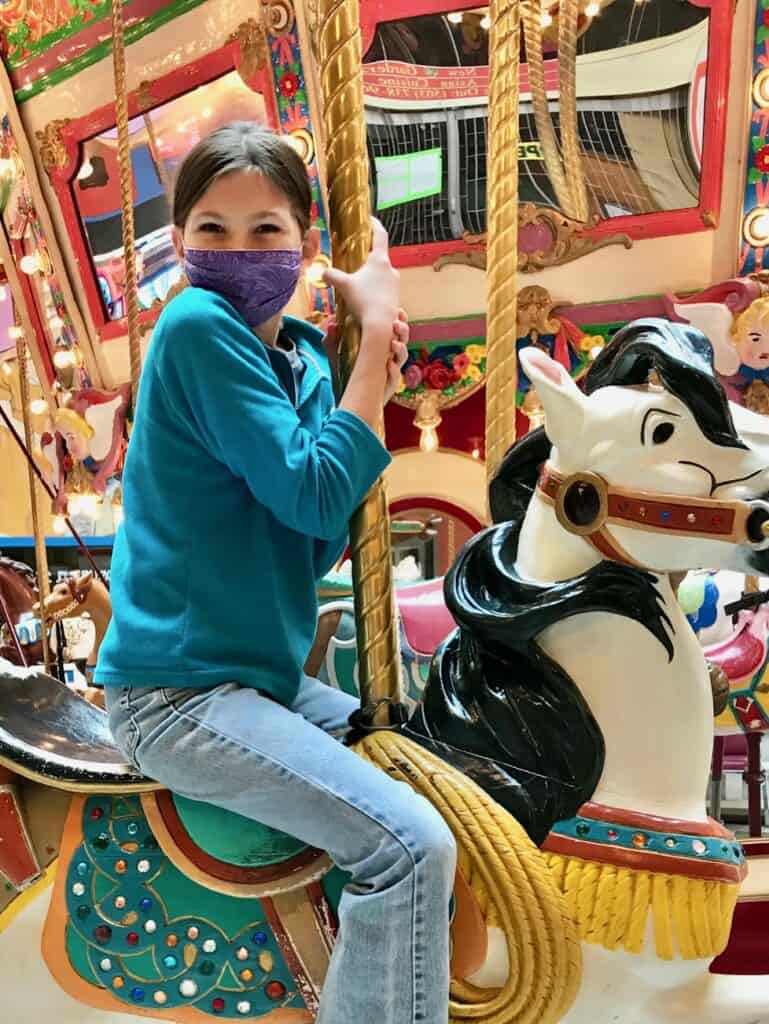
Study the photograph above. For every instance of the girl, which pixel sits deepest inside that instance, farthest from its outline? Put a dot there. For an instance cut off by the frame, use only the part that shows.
(239, 482)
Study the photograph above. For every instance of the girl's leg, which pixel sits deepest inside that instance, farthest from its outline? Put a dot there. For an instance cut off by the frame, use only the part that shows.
(235, 748)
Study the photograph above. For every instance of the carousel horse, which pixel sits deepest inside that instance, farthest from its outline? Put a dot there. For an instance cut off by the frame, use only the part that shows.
(573, 692)
(18, 594)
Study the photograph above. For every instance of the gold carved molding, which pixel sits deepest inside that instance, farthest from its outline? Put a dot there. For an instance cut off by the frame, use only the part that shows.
(251, 36)
(565, 241)
(53, 151)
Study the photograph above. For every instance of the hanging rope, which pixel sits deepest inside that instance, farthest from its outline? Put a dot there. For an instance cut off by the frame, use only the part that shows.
(567, 78)
(41, 555)
(339, 47)
(126, 197)
(502, 260)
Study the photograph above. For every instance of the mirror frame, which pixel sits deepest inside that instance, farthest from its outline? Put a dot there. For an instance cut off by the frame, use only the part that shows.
(61, 146)
(703, 217)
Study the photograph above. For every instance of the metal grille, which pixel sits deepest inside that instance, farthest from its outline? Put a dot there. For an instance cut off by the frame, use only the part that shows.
(423, 220)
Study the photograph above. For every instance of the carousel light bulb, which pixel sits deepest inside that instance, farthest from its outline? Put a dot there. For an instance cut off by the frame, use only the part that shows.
(428, 440)
(476, 452)
(455, 17)
(31, 263)
(7, 369)
(546, 19)
(7, 167)
(206, 111)
(59, 525)
(86, 170)
(91, 504)
(117, 514)
(63, 358)
(38, 406)
(56, 323)
(15, 333)
(315, 272)
(592, 10)
(3, 293)
(486, 22)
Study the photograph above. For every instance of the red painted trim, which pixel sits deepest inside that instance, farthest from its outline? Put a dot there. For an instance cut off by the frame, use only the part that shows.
(31, 302)
(17, 858)
(465, 517)
(168, 87)
(430, 331)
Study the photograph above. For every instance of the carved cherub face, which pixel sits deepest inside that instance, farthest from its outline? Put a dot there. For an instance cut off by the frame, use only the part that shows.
(751, 335)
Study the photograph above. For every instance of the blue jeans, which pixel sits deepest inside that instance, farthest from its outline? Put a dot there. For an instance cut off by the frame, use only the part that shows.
(233, 747)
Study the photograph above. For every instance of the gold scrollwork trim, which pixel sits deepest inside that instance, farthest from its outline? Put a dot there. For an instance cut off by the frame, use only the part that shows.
(568, 242)
(251, 36)
(53, 150)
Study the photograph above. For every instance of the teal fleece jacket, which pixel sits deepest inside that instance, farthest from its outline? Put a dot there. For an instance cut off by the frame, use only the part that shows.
(236, 500)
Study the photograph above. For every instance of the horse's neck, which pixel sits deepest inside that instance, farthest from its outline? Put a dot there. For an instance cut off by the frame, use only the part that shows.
(656, 714)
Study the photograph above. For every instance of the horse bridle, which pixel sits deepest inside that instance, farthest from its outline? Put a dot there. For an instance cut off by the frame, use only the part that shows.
(68, 609)
(586, 505)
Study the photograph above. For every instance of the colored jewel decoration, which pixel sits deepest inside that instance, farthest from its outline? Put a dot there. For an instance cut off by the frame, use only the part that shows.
(82, 869)
(170, 961)
(97, 813)
(105, 964)
(78, 888)
(102, 933)
(132, 829)
(160, 997)
(640, 840)
(275, 990)
(260, 938)
(247, 974)
(121, 867)
(138, 995)
(193, 932)
(207, 968)
(691, 518)
(145, 904)
(218, 1004)
(612, 833)
(132, 938)
(670, 843)
(117, 982)
(209, 946)
(143, 867)
(242, 953)
(188, 988)
(665, 516)
(120, 902)
(243, 1006)
(266, 961)
(172, 940)
(150, 927)
(102, 841)
(699, 847)
(582, 829)
(83, 912)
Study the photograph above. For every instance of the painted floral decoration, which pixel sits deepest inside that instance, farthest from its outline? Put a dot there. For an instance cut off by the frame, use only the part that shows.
(445, 368)
(289, 85)
(762, 160)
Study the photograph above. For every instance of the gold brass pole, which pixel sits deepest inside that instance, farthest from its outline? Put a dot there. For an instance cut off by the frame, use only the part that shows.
(501, 358)
(41, 555)
(339, 47)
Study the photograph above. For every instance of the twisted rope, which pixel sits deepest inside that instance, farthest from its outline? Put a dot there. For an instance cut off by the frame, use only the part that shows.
(501, 357)
(567, 77)
(126, 197)
(339, 48)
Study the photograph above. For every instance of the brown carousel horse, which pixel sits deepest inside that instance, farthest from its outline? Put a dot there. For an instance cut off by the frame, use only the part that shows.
(18, 596)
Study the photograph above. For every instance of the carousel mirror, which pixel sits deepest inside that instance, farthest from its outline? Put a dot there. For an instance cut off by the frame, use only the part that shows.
(648, 81)
(160, 138)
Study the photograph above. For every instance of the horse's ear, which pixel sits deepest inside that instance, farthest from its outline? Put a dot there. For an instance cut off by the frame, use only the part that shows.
(561, 399)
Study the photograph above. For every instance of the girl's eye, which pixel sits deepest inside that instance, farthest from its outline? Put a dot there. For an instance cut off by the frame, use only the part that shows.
(267, 229)
(210, 227)
(755, 338)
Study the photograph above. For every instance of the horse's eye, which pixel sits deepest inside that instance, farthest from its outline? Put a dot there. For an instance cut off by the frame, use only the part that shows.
(662, 433)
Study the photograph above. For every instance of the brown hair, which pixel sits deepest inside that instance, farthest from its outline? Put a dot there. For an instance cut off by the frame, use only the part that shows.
(242, 146)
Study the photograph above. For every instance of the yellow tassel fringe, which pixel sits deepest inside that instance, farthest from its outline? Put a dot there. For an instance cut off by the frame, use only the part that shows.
(610, 905)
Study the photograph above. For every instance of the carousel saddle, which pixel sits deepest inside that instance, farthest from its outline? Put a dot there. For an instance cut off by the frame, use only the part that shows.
(426, 619)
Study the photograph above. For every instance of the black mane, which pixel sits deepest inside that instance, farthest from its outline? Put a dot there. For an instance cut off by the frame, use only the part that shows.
(495, 706)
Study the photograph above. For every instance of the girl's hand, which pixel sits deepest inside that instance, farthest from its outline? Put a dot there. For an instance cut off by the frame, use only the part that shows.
(371, 294)
(399, 353)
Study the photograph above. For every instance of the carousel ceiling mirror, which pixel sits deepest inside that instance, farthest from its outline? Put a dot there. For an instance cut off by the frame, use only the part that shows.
(649, 80)
(168, 117)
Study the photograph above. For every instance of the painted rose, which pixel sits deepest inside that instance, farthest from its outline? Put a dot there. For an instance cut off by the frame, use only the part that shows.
(762, 160)
(289, 85)
(412, 376)
(438, 376)
(473, 373)
(475, 353)
(460, 364)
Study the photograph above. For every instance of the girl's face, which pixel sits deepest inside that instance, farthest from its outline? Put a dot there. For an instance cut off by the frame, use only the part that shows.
(244, 210)
(753, 347)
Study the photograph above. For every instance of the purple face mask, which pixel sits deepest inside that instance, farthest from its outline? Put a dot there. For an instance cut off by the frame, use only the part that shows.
(257, 282)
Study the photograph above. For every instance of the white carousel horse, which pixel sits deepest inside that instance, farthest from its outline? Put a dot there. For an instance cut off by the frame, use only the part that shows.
(566, 611)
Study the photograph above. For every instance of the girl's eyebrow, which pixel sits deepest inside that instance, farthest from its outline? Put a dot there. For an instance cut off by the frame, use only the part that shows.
(209, 213)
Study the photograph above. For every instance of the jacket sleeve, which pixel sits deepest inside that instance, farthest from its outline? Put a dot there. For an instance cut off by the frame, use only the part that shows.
(223, 382)
(328, 552)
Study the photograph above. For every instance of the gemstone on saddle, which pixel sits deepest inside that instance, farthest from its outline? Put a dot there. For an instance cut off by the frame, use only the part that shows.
(102, 933)
(243, 1007)
(78, 889)
(582, 829)
(266, 961)
(640, 840)
(97, 813)
(275, 990)
(120, 902)
(150, 926)
(247, 974)
(172, 940)
(188, 988)
(260, 938)
(207, 968)
(218, 1004)
(670, 843)
(121, 867)
(699, 847)
(691, 518)
(665, 516)
(160, 997)
(716, 520)
(145, 904)
(83, 912)
(82, 869)
(105, 964)
(132, 939)
(137, 994)
(170, 961)
(132, 828)
(193, 932)
(117, 981)
(209, 946)
(612, 833)
(241, 953)
(143, 867)
(102, 841)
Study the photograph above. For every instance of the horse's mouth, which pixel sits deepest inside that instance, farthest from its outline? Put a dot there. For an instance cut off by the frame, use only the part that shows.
(716, 484)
